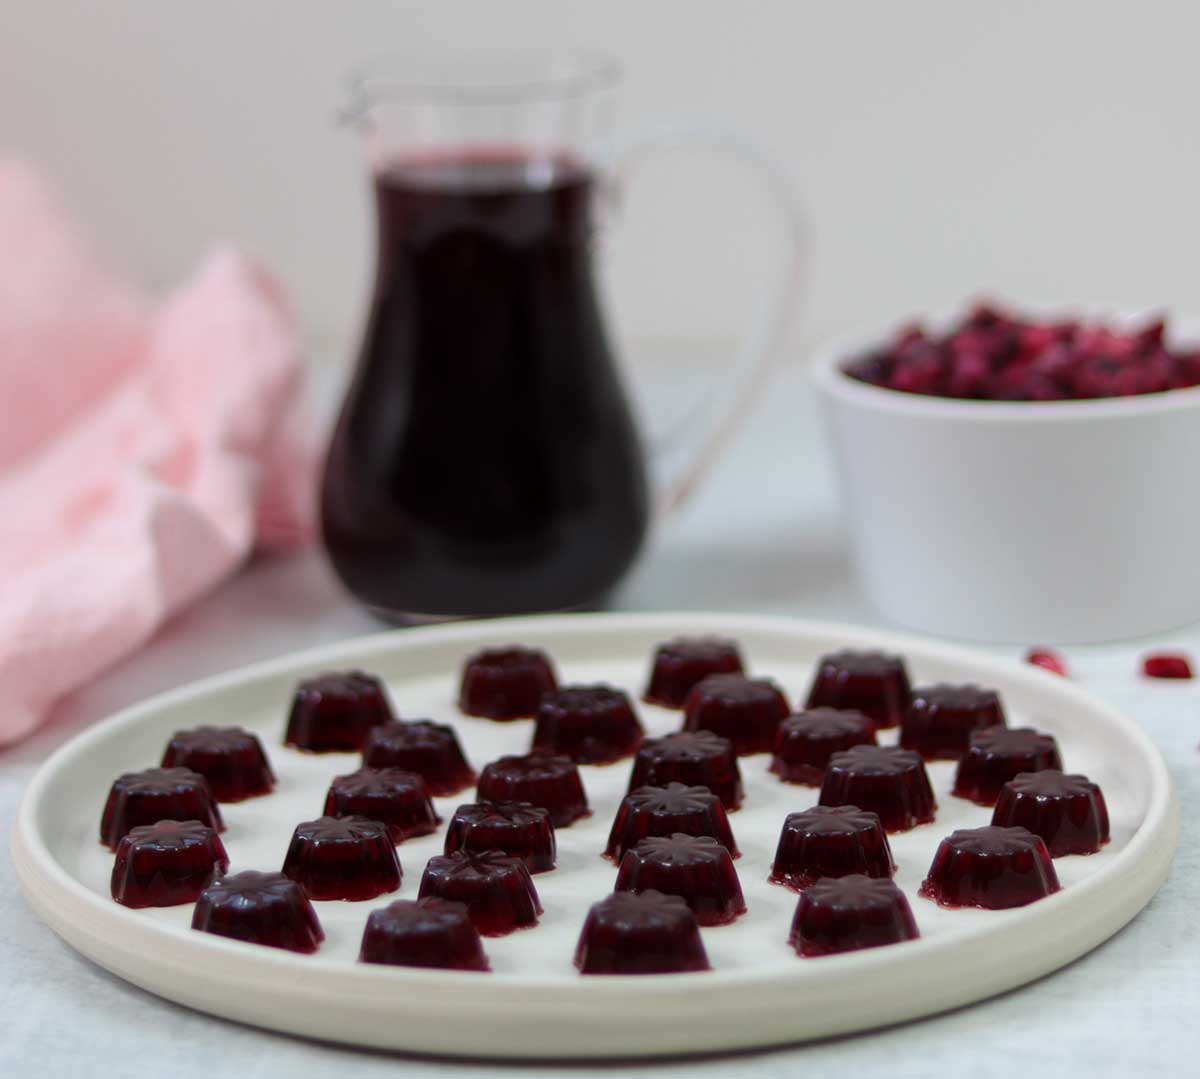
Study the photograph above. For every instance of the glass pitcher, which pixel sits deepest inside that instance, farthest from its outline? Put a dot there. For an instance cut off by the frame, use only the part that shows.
(485, 460)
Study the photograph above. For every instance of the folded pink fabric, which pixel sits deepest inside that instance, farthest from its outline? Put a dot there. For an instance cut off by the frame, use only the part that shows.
(144, 449)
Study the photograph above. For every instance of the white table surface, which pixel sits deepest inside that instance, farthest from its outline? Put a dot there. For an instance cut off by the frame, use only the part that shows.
(761, 535)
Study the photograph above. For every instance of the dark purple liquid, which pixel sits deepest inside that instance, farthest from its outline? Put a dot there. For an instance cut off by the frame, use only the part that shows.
(485, 461)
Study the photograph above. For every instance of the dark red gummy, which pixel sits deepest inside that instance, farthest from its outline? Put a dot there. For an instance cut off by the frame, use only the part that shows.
(432, 750)
(990, 867)
(997, 355)
(155, 794)
(343, 858)
(696, 868)
(694, 758)
(874, 683)
(1067, 811)
(231, 759)
(428, 932)
(517, 829)
(332, 712)
(259, 908)
(680, 663)
(505, 683)
(1167, 665)
(805, 742)
(640, 933)
(830, 841)
(942, 718)
(886, 780)
(1048, 660)
(846, 914)
(662, 811)
(548, 780)
(997, 754)
(497, 890)
(747, 711)
(392, 796)
(589, 724)
(160, 865)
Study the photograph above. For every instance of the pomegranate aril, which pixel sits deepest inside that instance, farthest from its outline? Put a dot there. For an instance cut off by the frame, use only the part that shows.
(1166, 665)
(1048, 660)
(996, 356)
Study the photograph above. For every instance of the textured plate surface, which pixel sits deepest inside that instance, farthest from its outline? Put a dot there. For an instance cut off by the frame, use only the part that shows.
(534, 1004)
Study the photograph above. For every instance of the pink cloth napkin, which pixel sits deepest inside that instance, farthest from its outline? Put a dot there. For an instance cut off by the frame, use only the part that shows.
(145, 449)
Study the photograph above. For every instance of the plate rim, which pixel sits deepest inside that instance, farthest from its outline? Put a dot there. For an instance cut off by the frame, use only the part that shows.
(1135, 874)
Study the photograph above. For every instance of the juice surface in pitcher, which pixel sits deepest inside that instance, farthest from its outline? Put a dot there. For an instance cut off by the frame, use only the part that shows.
(485, 461)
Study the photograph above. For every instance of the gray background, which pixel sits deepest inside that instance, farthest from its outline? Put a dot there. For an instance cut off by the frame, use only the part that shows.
(1039, 150)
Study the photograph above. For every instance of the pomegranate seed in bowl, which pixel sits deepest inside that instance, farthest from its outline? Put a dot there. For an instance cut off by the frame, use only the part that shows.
(997, 355)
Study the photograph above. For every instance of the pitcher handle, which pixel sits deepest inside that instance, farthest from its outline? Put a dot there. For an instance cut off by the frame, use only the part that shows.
(681, 455)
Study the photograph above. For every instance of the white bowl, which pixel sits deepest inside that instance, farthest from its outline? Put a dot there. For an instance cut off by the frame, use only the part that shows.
(1029, 522)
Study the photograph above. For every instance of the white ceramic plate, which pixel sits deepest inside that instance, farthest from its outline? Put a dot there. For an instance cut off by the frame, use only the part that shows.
(534, 1004)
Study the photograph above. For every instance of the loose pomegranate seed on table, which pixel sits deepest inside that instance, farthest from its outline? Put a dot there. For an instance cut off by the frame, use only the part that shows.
(1166, 665)
(994, 355)
(1048, 660)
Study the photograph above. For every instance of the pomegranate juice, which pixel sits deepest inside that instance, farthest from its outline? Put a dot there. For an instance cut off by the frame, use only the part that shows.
(485, 461)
